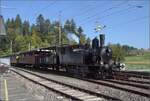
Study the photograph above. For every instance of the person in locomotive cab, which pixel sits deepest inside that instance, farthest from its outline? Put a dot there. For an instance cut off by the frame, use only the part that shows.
(95, 47)
(17, 58)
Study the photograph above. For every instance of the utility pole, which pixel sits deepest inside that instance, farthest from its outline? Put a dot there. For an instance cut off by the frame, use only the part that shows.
(60, 34)
(11, 46)
(30, 46)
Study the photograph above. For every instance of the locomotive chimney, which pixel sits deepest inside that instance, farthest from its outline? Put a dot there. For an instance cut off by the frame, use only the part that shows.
(102, 40)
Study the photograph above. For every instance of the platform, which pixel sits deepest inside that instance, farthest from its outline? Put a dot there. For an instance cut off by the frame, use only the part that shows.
(13, 90)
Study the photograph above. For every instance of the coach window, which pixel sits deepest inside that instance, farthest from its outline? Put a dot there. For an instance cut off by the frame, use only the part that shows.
(23, 55)
(70, 49)
(63, 50)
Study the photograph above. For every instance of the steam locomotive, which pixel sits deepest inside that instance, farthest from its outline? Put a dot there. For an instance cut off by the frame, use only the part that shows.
(79, 60)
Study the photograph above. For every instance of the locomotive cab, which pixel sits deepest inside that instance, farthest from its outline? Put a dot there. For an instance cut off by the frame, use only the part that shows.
(71, 55)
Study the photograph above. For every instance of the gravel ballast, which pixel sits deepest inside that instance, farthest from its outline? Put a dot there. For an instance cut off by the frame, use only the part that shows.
(123, 95)
(40, 92)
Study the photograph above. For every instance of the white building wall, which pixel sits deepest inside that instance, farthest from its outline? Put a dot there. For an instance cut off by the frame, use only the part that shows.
(5, 60)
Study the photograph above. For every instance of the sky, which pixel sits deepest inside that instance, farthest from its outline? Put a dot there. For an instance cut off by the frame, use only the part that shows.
(126, 21)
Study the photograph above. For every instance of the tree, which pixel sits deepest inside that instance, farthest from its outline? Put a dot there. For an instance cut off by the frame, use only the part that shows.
(20, 44)
(10, 26)
(40, 22)
(67, 26)
(42, 34)
(11, 33)
(7, 24)
(45, 44)
(51, 38)
(33, 27)
(36, 41)
(65, 39)
(56, 26)
(73, 26)
(26, 27)
(88, 41)
(3, 43)
(130, 50)
(47, 26)
(80, 30)
(18, 25)
(83, 39)
(80, 35)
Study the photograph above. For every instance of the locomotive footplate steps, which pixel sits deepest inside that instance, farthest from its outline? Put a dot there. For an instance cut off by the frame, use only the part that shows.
(13, 90)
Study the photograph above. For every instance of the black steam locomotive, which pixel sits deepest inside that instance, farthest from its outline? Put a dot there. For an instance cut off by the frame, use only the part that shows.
(79, 60)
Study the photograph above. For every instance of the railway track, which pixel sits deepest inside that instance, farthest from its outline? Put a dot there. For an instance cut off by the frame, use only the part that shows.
(127, 74)
(138, 72)
(136, 81)
(70, 91)
(133, 84)
(121, 86)
(136, 88)
(133, 77)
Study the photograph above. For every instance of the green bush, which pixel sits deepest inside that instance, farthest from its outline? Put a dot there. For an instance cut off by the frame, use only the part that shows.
(118, 52)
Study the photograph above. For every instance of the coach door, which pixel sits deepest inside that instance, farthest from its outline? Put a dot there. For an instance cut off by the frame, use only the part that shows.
(36, 59)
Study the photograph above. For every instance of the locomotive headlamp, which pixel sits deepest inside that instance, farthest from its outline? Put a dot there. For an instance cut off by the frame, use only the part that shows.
(106, 66)
(101, 63)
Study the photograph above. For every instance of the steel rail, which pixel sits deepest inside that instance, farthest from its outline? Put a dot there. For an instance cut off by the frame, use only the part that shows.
(145, 94)
(129, 83)
(130, 74)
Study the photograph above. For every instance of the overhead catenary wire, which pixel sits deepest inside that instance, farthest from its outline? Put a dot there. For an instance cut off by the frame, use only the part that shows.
(86, 11)
(35, 15)
(6, 7)
(81, 9)
(67, 8)
(129, 21)
(106, 10)
(110, 14)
